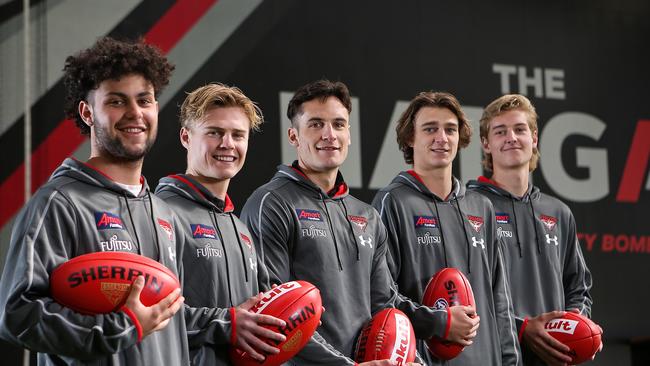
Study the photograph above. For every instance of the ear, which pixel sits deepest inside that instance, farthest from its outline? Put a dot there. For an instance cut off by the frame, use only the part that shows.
(535, 138)
(184, 135)
(485, 146)
(86, 112)
(292, 134)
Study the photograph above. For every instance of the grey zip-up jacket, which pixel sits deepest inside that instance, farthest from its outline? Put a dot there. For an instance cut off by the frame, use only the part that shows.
(426, 234)
(219, 260)
(542, 254)
(80, 210)
(334, 241)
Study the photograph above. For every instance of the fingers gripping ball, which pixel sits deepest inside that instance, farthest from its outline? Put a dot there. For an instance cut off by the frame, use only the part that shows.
(387, 336)
(299, 304)
(99, 283)
(448, 287)
(577, 332)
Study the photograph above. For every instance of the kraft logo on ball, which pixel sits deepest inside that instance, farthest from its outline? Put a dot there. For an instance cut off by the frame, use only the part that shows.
(561, 325)
(270, 296)
(403, 344)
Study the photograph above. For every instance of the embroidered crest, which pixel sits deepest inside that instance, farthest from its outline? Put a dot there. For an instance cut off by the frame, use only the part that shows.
(548, 221)
(476, 222)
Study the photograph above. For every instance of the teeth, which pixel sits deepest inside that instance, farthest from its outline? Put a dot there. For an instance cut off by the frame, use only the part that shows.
(225, 158)
(132, 130)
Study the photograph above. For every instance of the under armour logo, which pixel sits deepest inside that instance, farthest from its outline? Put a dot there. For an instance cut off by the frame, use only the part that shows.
(366, 241)
(549, 239)
(253, 264)
(172, 254)
(482, 242)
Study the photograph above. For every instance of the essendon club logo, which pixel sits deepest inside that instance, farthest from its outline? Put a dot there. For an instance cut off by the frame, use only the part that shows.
(425, 221)
(200, 231)
(360, 221)
(548, 221)
(476, 222)
(308, 215)
(107, 220)
(246, 240)
(167, 228)
(502, 217)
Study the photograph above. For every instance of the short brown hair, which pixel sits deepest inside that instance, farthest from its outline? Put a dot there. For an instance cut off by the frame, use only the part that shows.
(110, 59)
(201, 100)
(502, 105)
(321, 89)
(406, 124)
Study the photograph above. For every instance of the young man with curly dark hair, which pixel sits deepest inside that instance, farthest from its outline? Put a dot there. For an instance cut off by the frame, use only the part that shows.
(103, 204)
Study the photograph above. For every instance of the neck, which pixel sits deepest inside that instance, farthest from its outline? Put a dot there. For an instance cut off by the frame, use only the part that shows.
(515, 181)
(437, 180)
(324, 180)
(218, 187)
(120, 171)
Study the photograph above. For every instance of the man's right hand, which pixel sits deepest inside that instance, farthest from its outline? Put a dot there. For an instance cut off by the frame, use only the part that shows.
(251, 333)
(464, 324)
(155, 317)
(549, 349)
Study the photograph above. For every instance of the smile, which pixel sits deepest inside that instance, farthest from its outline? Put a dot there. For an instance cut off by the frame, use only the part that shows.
(228, 159)
(328, 148)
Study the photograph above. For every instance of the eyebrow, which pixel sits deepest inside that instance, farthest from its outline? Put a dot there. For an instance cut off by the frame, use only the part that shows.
(221, 129)
(123, 95)
(503, 125)
(435, 123)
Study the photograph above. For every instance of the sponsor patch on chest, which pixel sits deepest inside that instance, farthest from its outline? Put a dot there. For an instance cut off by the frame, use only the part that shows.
(308, 215)
(107, 220)
(502, 217)
(201, 231)
(425, 221)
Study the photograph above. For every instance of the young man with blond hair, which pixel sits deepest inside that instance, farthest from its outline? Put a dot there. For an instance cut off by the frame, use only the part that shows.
(433, 223)
(542, 256)
(220, 262)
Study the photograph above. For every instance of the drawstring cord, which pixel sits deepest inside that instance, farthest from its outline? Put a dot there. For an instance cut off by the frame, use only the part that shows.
(128, 208)
(329, 222)
(532, 210)
(155, 229)
(462, 223)
(213, 217)
(442, 234)
(241, 249)
(514, 215)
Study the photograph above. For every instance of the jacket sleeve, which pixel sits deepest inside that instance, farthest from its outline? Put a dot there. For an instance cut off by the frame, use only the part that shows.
(576, 277)
(427, 322)
(506, 322)
(270, 223)
(44, 236)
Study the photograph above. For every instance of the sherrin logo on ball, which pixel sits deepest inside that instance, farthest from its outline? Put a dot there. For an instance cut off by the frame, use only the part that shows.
(98, 283)
(579, 333)
(388, 335)
(299, 304)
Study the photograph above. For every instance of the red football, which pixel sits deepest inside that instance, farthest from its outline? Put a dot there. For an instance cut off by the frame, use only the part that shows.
(387, 336)
(98, 283)
(579, 333)
(299, 304)
(448, 287)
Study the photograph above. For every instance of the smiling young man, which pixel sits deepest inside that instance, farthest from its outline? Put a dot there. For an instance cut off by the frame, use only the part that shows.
(112, 89)
(308, 227)
(543, 258)
(433, 224)
(220, 262)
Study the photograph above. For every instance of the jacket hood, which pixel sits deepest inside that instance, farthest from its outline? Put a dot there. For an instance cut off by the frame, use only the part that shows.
(86, 173)
(487, 184)
(190, 188)
(411, 179)
(295, 174)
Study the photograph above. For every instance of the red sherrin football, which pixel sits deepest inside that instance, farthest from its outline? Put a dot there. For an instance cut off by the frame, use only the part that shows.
(299, 304)
(579, 333)
(98, 283)
(387, 336)
(448, 287)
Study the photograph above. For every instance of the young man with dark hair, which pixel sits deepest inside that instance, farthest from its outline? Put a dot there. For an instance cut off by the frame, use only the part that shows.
(433, 224)
(308, 227)
(542, 256)
(220, 261)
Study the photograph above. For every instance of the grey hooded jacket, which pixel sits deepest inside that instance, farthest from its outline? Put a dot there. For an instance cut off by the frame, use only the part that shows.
(542, 254)
(219, 260)
(427, 234)
(334, 241)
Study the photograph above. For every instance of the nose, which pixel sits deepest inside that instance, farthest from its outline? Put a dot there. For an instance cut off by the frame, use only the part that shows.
(511, 136)
(328, 132)
(133, 110)
(441, 136)
(227, 142)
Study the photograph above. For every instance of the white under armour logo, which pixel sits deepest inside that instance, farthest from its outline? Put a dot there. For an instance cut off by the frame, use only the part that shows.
(482, 242)
(253, 264)
(172, 254)
(366, 241)
(549, 239)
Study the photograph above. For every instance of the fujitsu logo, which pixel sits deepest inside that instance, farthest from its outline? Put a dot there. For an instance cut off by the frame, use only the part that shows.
(403, 342)
(314, 232)
(203, 231)
(308, 215)
(561, 325)
(270, 296)
(428, 239)
(107, 220)
(425, 221)
(503, 233)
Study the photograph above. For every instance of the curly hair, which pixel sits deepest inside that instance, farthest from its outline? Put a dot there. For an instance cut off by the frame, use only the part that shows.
(201, 100)
(499, 106)
(110, 59)
(405, 128)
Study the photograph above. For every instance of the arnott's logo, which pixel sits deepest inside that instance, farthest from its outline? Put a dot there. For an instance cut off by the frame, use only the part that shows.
(308, 215)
